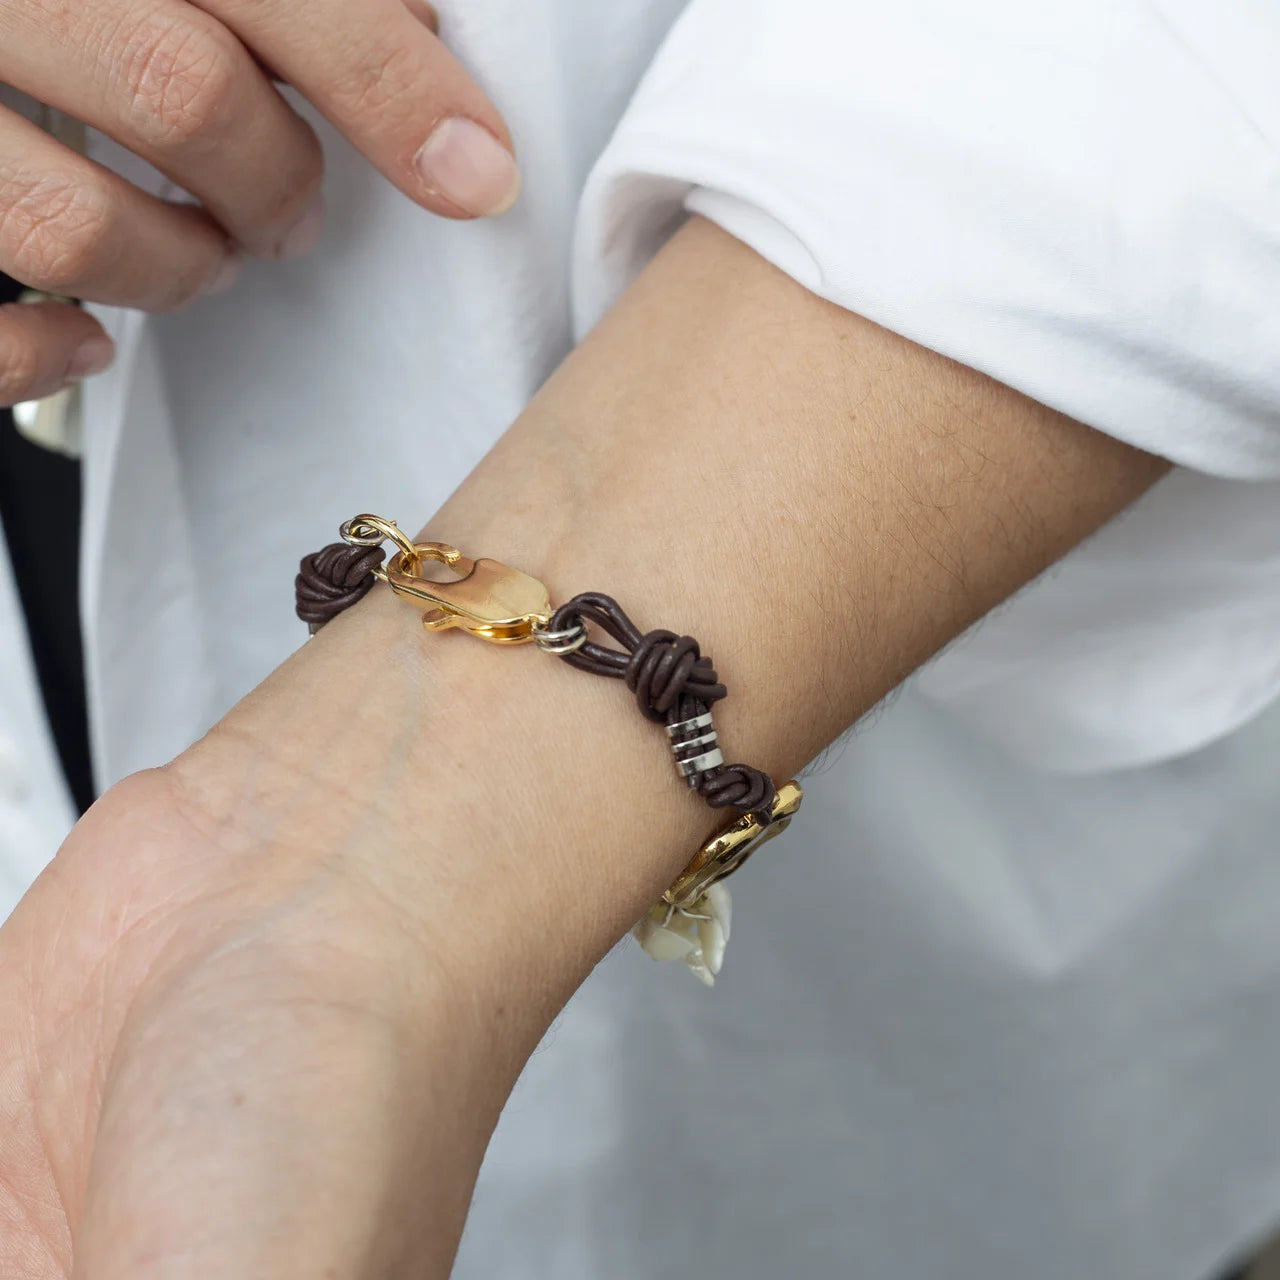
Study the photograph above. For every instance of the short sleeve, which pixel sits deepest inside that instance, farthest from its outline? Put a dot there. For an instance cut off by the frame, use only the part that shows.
(1082, 201)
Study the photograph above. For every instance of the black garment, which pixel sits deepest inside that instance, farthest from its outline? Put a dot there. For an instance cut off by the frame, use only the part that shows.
(40, 492)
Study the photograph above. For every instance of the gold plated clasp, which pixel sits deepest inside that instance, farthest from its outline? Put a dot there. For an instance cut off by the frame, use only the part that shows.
(489, 599)
(727, 850)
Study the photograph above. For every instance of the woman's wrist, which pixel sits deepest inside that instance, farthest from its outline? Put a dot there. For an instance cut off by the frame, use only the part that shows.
(820, 502)
(487, 791)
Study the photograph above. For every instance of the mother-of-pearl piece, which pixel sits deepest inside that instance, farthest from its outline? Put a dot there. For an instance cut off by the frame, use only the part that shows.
(696, 934)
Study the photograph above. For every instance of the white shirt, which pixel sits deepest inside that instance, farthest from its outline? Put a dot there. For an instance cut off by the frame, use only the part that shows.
(1019, 1010)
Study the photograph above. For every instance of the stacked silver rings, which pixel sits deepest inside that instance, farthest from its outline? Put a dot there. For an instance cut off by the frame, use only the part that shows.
(689, 735)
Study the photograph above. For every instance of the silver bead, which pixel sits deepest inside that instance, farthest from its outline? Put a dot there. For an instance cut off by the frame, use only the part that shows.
(700, 764)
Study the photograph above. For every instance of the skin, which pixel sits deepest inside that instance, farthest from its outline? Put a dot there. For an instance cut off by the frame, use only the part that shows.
(193, 88)
(261, 1013)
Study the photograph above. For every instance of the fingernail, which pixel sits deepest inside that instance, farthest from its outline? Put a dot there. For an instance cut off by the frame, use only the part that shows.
(226, 275)
(304, 235)
(467, 165)
(92, 356)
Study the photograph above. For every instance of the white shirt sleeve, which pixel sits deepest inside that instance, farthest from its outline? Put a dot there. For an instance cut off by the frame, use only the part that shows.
(1082, 200)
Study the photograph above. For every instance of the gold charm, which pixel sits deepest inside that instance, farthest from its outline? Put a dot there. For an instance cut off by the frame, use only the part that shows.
(691, 920)
(727, 850)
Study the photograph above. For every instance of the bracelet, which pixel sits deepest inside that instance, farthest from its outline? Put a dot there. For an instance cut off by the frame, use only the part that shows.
(673, 681)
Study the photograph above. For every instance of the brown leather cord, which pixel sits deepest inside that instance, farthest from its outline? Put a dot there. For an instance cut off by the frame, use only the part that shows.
(333, 579)
(671, 679)
(658, 667)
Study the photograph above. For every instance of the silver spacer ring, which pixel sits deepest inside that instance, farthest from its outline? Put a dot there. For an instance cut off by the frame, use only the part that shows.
(706, 740)
(567, 640)
(686, 728)
(700, 764)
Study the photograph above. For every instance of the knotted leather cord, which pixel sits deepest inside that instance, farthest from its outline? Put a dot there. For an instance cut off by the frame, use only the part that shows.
(333, 579)
(673, 681)
(670, 677)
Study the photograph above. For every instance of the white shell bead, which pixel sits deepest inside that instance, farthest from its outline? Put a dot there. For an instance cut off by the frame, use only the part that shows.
(696, 934)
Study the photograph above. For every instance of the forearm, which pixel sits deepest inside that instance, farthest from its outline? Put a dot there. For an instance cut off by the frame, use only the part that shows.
(822, 504)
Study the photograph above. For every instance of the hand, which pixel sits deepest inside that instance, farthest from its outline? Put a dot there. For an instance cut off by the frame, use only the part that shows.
(187, 87)
(214, 1065)
(260, 1014)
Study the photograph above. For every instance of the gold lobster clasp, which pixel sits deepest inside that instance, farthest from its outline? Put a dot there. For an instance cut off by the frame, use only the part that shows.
(488, 598)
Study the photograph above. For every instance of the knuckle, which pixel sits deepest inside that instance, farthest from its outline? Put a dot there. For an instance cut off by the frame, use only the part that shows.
(376, 83)
(52, 228)
(180, 84)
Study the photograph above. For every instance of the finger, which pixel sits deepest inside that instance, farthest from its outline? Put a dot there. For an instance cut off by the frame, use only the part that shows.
(70, 227)
(421, 10)
(46, 346)
(395, 91)
(173, 85)
(426, 13)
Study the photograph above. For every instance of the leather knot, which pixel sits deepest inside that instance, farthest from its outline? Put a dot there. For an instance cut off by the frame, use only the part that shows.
(333, 579)
(741, 786)
(672, 682)
(664, 667)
